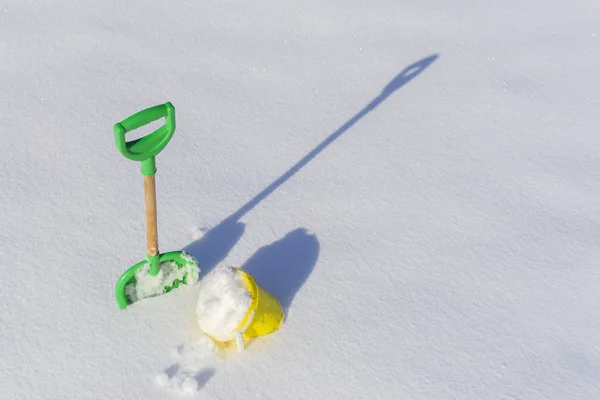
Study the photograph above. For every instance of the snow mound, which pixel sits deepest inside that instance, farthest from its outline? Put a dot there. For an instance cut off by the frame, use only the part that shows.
(194, 365)
(223, 303)
(149, 286)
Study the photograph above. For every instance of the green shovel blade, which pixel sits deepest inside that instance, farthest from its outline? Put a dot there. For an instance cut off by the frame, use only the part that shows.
(176, 268)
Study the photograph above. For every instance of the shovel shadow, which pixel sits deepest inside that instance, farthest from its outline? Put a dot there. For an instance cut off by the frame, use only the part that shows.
(217, 242)
(282, 267)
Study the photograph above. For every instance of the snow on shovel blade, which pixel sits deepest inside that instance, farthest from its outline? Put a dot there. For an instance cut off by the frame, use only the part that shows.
(176, 268)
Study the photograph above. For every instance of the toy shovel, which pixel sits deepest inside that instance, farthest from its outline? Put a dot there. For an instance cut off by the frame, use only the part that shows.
(160, 272)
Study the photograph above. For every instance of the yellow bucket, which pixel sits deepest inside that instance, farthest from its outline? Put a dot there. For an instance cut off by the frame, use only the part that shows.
(264, 315)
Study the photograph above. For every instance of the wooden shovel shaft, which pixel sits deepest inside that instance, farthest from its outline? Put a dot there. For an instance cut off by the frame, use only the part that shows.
(151, 223)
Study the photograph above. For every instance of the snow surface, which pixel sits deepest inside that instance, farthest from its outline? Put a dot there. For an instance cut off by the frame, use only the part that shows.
(432, 232)
(223, 302)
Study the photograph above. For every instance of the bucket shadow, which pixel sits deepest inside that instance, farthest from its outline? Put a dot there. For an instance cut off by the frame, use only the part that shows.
(212, 248)
(282, 267)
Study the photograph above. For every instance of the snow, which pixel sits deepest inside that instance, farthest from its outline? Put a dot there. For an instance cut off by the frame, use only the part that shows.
(431, 234)
(194, 364)
(146, 285)
(197, 234)
(223, 302)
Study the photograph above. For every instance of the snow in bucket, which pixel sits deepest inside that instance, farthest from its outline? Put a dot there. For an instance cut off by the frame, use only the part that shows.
(223, 302)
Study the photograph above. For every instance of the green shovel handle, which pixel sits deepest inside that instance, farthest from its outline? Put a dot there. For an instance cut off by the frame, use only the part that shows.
(147, 147)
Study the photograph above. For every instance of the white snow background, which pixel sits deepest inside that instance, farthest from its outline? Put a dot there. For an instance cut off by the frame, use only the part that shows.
(432, 231)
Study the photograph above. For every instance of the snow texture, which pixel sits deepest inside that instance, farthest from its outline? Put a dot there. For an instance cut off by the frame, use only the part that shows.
(417, 182)
(147, 285)
(223, 302)
(194, 365)
(197, 234)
